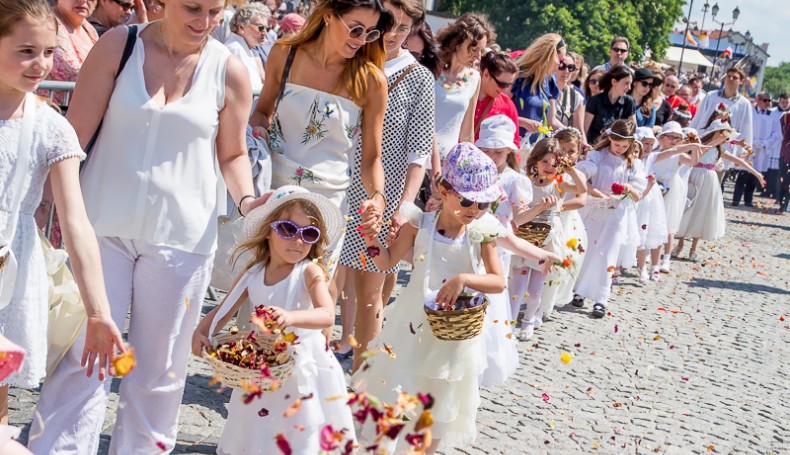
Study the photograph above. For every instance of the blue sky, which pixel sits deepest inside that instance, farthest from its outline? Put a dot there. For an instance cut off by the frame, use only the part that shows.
(768, 20)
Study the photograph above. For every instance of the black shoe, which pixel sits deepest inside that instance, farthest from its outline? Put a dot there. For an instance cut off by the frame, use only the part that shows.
(599, 311)
(736, 204)
(748, 204)
(578, 301)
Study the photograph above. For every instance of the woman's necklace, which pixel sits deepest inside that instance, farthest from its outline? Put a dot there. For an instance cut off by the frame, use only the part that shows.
(459, 81)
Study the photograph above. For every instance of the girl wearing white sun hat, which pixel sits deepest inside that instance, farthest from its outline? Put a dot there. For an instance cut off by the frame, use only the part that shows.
(704, 219)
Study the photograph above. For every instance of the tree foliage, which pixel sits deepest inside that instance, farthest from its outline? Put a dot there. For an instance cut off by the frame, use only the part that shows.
(777, 79)
(588, 26)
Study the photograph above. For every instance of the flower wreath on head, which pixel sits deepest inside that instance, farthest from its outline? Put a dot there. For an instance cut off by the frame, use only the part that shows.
(722, 109)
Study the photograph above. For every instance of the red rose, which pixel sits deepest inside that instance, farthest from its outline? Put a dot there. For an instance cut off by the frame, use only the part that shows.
(618, 189)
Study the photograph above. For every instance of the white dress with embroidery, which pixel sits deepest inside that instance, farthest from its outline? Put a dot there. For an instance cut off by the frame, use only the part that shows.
(448, 370)
(704, 218)
(675, 199)
(317, 372)
(24, 320)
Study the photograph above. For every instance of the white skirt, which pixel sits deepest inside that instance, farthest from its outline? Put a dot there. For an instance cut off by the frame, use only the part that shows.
(652, 220)
(499, 344)
(574, 228)
(704, 218)
(627, 256)
(606, 233)
(675, 202)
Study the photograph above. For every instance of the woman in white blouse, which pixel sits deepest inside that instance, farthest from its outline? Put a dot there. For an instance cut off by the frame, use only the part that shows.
(178, 108)
(249, 27)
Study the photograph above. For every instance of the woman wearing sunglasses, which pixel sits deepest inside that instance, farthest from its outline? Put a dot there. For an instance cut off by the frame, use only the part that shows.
(407, 145)
(498, 72)
(248, 27)
(570, 105)
(535, 92)
(592, 83)
(311, 112)
(642, 93)
(613, 103)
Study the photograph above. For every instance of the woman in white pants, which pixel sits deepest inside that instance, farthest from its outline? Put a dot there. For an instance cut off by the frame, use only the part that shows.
(150, 187)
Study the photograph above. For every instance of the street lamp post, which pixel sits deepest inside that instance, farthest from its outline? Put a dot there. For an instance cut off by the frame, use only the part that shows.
(735, 13)
(685, 38)
(704, 13)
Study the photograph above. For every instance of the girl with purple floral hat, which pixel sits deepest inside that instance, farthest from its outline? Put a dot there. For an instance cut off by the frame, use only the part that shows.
(454, 253)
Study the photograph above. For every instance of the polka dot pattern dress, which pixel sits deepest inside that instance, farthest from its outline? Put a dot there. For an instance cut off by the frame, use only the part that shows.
(407, 137)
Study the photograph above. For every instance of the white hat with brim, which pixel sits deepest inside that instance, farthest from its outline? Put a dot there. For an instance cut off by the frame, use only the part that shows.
(718, 125)
(644, 132)
(671, 127)
(333, 218)
(497, 132)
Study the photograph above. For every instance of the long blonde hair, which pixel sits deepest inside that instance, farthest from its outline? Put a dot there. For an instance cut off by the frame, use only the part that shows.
(538, 61)
(259, 244)
(369, 59)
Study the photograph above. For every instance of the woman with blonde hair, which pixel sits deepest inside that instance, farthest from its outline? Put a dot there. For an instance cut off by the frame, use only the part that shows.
(535, 92)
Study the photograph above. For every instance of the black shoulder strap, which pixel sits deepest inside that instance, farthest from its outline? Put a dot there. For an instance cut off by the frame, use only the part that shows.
(131, 39)
(286, 71)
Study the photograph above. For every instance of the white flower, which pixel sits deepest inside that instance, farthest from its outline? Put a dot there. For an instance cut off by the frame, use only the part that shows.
(485, 229)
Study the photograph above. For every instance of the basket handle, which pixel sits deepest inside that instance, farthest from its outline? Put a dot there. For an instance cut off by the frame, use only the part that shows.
(229, 303)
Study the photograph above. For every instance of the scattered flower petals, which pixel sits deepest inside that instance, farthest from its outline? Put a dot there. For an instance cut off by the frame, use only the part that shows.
(283, 444)
(263, 412)
(566, 358)
(124, 363)
(546, 397)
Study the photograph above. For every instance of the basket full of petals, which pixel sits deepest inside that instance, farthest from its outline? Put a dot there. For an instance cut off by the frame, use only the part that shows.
(244, 358)
(463, 321)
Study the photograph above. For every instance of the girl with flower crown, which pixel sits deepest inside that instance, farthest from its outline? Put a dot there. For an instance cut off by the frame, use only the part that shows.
(454, 252)
(615, 175)
(526, 283)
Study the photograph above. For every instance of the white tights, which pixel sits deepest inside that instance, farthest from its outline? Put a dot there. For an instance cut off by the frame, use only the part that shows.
(525, 286)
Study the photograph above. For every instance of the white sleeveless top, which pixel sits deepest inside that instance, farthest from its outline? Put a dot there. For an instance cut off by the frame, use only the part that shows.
(451, 105)
(151, 175)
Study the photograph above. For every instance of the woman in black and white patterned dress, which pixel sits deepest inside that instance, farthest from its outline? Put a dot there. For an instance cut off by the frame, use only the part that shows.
(406, 145)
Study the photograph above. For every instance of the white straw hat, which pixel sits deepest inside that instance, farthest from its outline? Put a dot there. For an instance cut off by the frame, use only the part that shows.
(671, 127)
(718, 125)
(333, 219)
(497, 132)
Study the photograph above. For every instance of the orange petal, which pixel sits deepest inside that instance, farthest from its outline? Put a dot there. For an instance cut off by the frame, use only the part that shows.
(124, 363)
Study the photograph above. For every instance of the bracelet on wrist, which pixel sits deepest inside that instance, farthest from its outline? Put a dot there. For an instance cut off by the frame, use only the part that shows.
(241, 201)
(383, 198)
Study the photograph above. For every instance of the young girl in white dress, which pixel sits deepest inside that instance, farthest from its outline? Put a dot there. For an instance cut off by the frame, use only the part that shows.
(612, 168)
(496, 141)
(650, 213)
(36, 142)
(704, 219)
(527, 283)
(453, 251)
(673, 187)
(287, 237)
(571, 140)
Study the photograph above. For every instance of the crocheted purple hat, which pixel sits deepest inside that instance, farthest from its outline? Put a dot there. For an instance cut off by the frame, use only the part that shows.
(471, 173)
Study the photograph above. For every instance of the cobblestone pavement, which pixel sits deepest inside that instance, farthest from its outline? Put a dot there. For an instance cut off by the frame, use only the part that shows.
(696, 364)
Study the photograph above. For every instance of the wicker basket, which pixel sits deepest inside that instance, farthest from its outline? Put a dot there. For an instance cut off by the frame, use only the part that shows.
(457, 325)
(236, 377)
(534, 232)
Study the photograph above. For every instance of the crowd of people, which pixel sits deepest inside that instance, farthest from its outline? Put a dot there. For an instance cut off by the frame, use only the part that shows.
(514, 182)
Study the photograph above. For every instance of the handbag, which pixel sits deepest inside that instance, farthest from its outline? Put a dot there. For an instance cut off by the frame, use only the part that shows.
(229, 227)
(66, 310)
(8, 262)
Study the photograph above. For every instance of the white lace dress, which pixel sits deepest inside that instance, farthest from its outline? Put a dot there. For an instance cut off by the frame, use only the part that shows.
(24, 321)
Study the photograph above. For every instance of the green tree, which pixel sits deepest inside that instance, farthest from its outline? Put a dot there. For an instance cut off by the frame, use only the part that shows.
(777, 79)
(588, 26)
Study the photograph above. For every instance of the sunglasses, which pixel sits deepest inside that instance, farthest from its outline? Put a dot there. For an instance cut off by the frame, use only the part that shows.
(645, 83)
(417, 55)
(620, 50)
(126, 6)
(466, 203)
(358, 31)
(593, 81)
(564, 67)
(657, 84)
(287, 229)
(501, 84)
(261, 28)
(765, 100)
